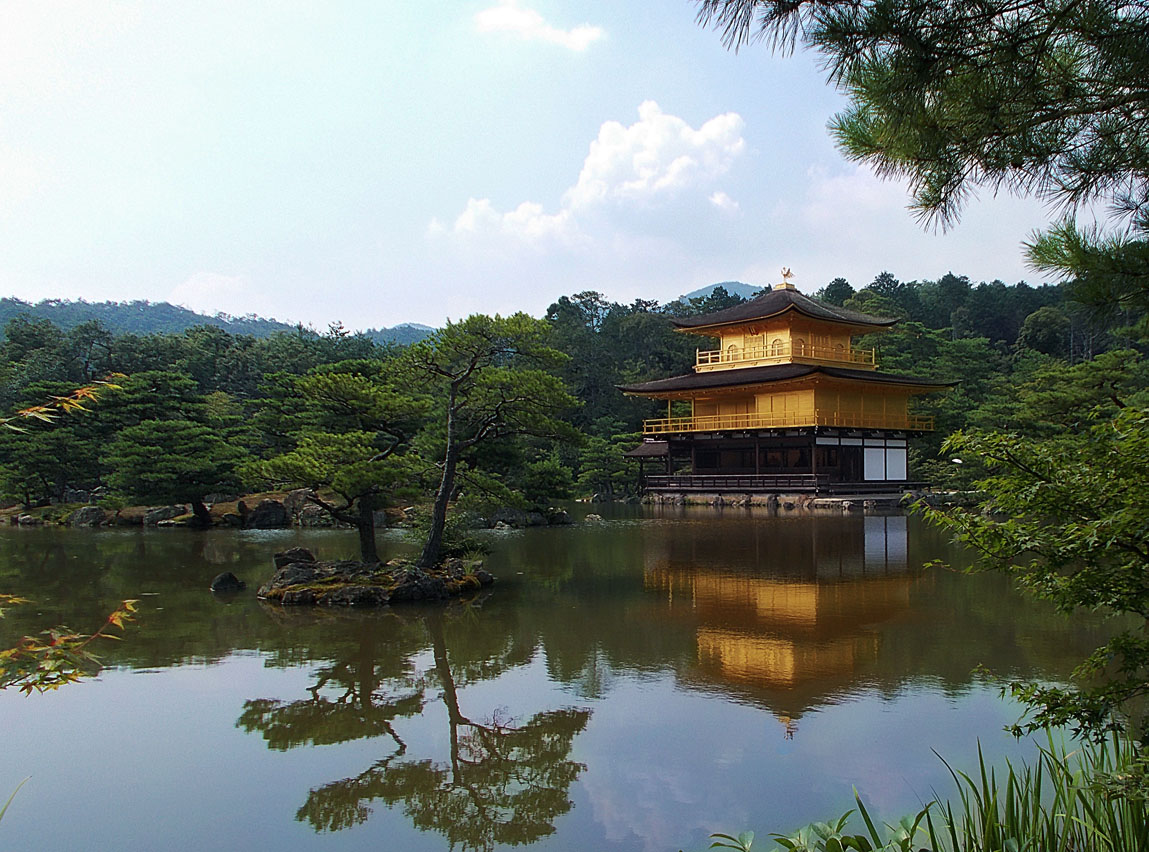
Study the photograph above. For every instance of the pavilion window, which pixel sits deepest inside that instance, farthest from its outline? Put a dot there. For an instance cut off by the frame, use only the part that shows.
(827, 457)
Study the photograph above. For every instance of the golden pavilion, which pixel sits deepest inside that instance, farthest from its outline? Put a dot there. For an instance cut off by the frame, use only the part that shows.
(785, 402)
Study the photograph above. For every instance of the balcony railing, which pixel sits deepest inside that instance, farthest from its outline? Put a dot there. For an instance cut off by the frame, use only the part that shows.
(748, 483)
(738, 482)
(710, 359)
(725, 422)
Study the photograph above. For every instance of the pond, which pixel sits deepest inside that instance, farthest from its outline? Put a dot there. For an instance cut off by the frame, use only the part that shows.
(633, 684)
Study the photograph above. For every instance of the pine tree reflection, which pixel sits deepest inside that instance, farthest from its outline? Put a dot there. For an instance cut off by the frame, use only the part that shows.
(355, 698)
(503, 781)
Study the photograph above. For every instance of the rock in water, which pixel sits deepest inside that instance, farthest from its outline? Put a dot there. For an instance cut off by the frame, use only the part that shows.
(355, 595)
(315, 516)
(300, 579)
(291, 555)
(416, 585)
(227, 582)
(558, 517)
(268, 515)
(509, 517)
(163, 513)
(296, 500)
(88, 516)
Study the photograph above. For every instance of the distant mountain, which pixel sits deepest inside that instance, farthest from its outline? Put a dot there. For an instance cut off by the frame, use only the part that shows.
(735, 288)
(143, 317)
(139, 317)
(405, 333)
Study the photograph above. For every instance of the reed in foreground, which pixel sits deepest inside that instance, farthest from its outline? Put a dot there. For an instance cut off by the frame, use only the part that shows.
(1089, 797)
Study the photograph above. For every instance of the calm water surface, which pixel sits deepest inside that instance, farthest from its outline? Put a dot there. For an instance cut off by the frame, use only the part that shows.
(629, 685)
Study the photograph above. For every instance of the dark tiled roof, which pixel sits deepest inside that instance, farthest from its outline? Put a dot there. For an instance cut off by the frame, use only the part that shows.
(648, 449)
(714, 379)
(774, 302)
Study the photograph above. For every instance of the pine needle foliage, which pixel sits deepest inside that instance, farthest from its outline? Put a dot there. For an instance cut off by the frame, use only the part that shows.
(1037, 97)
(490, 379)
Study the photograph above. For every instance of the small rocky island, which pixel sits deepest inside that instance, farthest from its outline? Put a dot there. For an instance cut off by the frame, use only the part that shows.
(302, 580)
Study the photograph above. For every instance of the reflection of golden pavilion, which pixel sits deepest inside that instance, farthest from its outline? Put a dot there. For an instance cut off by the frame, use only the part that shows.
(790, 633)
(779, 662)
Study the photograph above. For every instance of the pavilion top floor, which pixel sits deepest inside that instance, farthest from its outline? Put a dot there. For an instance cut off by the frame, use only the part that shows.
(783, 326)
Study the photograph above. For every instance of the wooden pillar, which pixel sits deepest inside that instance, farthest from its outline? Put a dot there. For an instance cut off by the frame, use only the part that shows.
(814, 460)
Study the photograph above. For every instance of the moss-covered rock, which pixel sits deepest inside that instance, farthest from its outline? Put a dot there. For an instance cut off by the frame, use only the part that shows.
(302, 580)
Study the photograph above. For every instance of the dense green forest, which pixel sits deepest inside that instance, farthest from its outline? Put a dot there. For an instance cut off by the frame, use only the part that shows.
(225, 404)
(144, 317)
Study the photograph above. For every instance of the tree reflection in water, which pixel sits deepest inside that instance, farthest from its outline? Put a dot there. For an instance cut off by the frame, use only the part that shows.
(505, 782)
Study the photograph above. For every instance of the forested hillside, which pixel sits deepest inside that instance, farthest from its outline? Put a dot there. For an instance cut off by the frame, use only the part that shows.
(734, 288)
(1026, 359)
(143, 317)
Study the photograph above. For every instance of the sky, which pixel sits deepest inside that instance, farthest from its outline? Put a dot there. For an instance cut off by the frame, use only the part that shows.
(395, 161)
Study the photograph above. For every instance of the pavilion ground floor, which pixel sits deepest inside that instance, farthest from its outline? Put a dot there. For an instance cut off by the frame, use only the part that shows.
(811, 460)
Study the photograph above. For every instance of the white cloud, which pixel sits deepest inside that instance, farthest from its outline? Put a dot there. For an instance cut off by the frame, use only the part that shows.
(527, 223)
(657, 155)
(213, 291)
(530, 222)
(845, 200)
(632, 168)
(43, 45)
(847, 222)
(20, 175)
(509, 17)
(479, 215)
(724, 202)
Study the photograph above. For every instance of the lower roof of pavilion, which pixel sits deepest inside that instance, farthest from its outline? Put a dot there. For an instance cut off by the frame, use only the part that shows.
(693, 384)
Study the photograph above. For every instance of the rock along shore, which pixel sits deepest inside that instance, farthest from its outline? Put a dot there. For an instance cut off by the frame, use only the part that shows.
(302, 580)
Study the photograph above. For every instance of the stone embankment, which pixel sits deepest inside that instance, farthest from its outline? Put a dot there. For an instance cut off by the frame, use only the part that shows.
(270, 510)
(786, 502)
(876, 502)
(266, 511)
(302, 580)
(508, 518)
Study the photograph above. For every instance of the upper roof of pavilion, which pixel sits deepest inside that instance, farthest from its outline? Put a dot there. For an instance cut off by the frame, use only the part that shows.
(772, 303)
